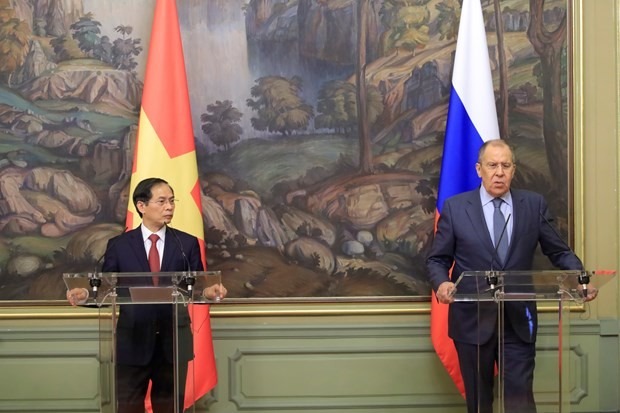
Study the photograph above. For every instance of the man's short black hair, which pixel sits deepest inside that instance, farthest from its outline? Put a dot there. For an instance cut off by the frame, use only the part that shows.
(143, 193)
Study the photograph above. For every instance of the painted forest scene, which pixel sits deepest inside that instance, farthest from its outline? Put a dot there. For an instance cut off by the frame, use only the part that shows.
(319, 128)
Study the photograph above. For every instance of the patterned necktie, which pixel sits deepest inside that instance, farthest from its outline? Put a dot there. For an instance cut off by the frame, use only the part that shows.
(499, 224)
(154, 258)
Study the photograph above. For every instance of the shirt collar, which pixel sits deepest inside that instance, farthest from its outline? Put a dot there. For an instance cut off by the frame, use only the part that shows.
(146, 233)
(485, 197)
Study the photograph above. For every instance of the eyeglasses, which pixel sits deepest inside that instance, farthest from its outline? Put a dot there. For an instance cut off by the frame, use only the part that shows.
(161, 202)
(492, 166)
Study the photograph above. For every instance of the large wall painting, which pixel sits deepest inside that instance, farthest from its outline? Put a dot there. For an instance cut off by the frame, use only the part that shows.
(302, 197)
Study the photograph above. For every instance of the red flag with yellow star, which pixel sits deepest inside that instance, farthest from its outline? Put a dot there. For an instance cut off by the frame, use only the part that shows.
(165, 148)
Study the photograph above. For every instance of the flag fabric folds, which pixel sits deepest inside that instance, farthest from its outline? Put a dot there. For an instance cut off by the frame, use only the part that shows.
(165, 148)
(472, 120)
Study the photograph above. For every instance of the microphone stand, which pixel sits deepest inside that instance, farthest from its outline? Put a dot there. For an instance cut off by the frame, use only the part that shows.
(492, 278)
(584, 280)
(190, 279)
(95, 283)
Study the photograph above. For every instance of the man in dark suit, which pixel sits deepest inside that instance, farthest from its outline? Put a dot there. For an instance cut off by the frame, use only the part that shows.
(465, 239)
(144, 341)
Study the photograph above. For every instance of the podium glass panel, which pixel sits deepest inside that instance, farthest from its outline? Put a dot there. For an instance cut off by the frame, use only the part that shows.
(505, 292)
(140, 322)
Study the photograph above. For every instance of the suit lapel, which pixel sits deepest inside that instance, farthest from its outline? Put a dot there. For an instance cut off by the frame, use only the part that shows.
(478, 223)
(137, 245)
(519, 214)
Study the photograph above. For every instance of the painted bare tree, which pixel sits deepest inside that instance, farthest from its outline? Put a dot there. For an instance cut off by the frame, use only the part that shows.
(360, 78)
(502, 109)
(548, 45)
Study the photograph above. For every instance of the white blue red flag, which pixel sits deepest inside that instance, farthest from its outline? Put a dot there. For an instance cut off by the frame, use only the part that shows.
(472, 120)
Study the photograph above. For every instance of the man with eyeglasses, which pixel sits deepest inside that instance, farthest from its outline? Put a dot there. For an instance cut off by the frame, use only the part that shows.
(470, 238)
(144, 339)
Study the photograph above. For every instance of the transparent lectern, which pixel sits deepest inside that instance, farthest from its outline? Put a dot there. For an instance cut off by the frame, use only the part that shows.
(559, 291)
(141, 311)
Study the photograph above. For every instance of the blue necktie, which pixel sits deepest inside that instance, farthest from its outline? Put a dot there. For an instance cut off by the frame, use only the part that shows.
(499, 222)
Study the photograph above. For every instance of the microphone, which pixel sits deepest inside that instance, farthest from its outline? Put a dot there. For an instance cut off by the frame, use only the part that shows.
(95, 281)
(584, 277)
(189, 279)
(492, 278)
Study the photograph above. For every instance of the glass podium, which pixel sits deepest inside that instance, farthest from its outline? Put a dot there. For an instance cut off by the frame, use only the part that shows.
(142, 312)
(558, 291)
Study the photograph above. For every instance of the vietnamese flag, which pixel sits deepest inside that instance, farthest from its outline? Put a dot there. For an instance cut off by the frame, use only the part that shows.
(472, 120)
(165, 148)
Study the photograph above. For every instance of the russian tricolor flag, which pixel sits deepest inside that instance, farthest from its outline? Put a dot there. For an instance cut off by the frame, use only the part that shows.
(472, 120)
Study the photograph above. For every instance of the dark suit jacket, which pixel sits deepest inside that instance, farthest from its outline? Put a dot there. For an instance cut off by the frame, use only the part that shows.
(138, 324)
(463, 238)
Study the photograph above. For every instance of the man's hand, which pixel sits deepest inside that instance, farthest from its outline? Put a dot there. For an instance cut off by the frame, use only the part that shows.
(445, 292)
(215, 292)
(77, 296)
(592, 293)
